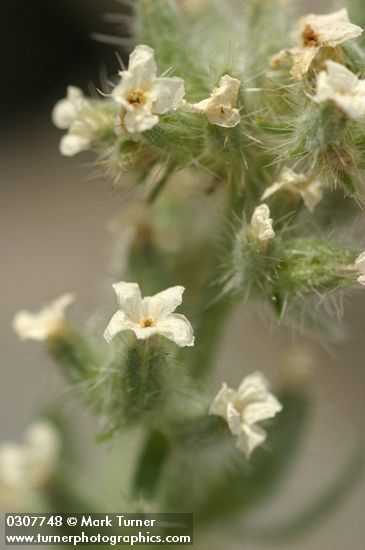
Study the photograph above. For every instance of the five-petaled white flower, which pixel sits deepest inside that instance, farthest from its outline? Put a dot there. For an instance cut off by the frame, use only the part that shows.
(43, 324)
(261, 224)
(341, 86)
(313, 33)
(31, 464)
(360, 266)
(150, 315)
(86, 121)
(142, 96)
(243, 408)
(220, 107)
(310, 188)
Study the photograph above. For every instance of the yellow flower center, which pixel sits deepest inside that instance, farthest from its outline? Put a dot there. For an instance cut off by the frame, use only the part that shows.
(146, 322)
(136, 98)
(310, 38)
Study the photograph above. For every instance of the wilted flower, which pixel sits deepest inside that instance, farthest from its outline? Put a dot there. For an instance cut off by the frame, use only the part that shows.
(313, 33)
(360, 266)
(220, 107)
(86, 121)
(309, 188)
(150, 315)
(41, 325)
(261, 224)
(243, 408)
(31, 464)
(142, 96)
(341, 86)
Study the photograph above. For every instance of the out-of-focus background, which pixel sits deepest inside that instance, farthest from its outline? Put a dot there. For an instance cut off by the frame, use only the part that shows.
(54, 239)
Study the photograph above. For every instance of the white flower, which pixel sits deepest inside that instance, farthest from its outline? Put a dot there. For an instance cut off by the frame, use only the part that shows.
(142, 96)
(41, 325)
(261, 223)
(313, 33)
(31, 464)
(243, 408)
(150, 315)
(220, 107)
(309, 188)
(360, 266)
(341, 86)
(86, 121)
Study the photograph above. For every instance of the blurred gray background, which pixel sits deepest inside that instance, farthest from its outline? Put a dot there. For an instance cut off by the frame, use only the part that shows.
(54, 239)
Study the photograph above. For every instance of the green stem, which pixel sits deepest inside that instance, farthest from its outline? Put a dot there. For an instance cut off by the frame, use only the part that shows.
(209, 333)
(150, 465)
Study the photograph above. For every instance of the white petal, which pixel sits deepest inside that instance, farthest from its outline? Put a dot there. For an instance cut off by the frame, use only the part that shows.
(261, 410)
(224, 116)
(352, 106)
(340, 85)
(250, 438)
(42, 436)
(331, 29)
(29, 326)
(360, 262)
(59, 305)
(139, 120)
(163, 303)
(118, 323)
(271, 190)
(168, 93)
(337, 79)
(340, 78)
(220, 107)
(261, 223)
(43, 446)
(38, 326)
(311, 190)
(12, 465)
(234, 419)
(144, 333)
(220, 403)
(65, 111)
(129, 300)
(228, 89)
(312, 195)
(72, 144)
(361, 280)
(142, 65)
(177, 328)
(301, 59)
(252, 386)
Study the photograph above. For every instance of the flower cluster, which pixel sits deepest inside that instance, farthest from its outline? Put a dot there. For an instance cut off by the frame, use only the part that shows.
(135, 105)
(205, 153)
(313, 33)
